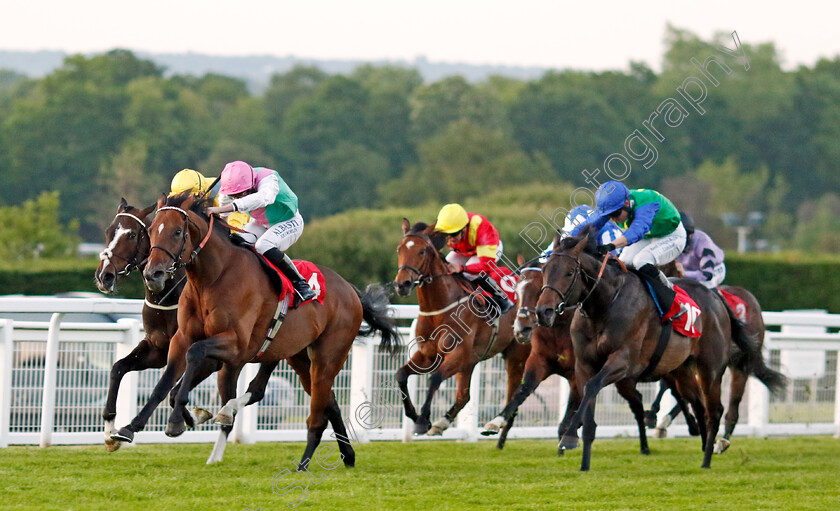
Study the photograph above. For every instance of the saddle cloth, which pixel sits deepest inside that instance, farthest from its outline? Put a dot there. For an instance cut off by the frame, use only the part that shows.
(683, 314)
(738, 306)
(506, 280)
(308, 271)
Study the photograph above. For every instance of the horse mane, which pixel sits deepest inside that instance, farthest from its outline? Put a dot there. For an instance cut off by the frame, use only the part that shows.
(438, 239)
(571, 241)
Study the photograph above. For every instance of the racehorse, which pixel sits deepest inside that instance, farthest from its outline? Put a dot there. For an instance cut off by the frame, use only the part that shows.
(616, 330)
(754, 327)
(456, 327)
(225, 310)
(127, 247)
(552, 353)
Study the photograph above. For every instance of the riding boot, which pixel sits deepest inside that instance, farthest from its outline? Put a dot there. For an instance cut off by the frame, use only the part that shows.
(498, 296)
(662, 287)
(285, 265)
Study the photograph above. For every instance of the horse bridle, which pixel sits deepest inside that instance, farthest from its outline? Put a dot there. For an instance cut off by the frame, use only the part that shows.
(132, 264)
(422, 278)
(525, 312)
(177, 263)
(562, 307)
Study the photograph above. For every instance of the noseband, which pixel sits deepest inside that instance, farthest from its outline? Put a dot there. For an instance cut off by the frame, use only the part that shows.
(562, 307)
(422, 278)
(132, 264)
(176, 259)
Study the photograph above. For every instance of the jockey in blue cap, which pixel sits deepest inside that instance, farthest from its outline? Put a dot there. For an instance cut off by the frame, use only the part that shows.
(609, 233)
(653, 233)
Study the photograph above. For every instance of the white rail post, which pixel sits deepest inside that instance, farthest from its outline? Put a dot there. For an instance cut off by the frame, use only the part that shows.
(563, 395)
(127, 398)
(837, 397)
(408, 424)
(246, 422)
(759, 400)
(467, 420)
(362, 407)
(50, 370)
(6, 354)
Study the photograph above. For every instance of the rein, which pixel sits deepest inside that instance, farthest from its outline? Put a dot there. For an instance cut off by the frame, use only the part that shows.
(422, 278)
(176, 260)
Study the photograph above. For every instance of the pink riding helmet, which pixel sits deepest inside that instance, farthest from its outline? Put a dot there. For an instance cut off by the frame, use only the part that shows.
(237, 177)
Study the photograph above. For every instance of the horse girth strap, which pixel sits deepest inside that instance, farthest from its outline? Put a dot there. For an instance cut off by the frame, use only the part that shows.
(274, 326)
(661, 344)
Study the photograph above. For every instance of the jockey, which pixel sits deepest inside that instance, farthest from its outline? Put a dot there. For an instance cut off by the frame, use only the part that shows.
(189, 179)
(475, 248)
(275, 219)
(653, 233)
(701, 260)
(609, 233)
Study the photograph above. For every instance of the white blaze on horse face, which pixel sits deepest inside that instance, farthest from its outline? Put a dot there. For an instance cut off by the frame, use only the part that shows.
(160, 229)
(409, 244)
(520, 288)
(109, 250)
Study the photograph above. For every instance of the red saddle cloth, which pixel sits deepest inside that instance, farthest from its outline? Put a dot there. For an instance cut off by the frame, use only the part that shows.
(688, 313)
(308, 271)
(506, 280)
(738, 306)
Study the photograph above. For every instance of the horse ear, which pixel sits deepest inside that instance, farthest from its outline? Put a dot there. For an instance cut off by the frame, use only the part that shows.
(161, 202)
(187, 204)
(406, 225)
(123, 205)
(520, 259)
(147, 210)
(580, 245)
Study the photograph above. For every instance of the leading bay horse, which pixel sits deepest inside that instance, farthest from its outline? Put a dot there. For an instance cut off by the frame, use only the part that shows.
(127, 247)
(754, 328)
(456, 328)
(616, 330)
(226, 309)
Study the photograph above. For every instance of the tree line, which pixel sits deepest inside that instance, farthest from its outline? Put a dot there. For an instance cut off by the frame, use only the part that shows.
(115, 125)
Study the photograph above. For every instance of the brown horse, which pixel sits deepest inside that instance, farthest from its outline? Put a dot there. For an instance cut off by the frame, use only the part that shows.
(456, 328)
(225, 311)
(551, 353)
(754, 328)
(616, 331)
(127, 247)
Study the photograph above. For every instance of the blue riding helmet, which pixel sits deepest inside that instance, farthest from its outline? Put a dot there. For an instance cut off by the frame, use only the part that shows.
(610, 197)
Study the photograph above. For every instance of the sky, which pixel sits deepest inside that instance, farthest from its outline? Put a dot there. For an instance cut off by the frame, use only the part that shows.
(585, 35)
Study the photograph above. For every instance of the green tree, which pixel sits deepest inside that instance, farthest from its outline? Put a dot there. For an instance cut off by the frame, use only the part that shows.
(437, 105)
(818, 228)
(33, 230)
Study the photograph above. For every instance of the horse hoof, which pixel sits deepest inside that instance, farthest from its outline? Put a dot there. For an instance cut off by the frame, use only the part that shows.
(123, 435)
(200, 416)
(174, 429)
(434, 431)
(567, 443)
(494, 426)
(112, 445)
(650, 419)
(421, 426)
(561, 451)
(721, 446)
(660, 433)
(645, 452)
(224, 419)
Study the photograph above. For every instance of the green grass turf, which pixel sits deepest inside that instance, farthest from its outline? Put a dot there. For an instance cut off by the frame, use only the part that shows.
(775, 473)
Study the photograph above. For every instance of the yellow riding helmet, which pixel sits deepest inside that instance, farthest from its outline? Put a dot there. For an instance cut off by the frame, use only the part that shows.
(189, 179)
(452, 218)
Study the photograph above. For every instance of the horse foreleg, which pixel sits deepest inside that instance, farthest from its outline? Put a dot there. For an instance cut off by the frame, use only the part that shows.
(529, 383)
(736, 393)
(255, 393)
(422, 421)
(515, 360)
(143, 356)
(226, 382)
(568, 436)
(589, 427)
(650, 415)
(462, 397)
(627, 390)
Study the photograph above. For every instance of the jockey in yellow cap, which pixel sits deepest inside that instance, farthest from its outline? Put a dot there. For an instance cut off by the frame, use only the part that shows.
(475, 248)
(189, 179)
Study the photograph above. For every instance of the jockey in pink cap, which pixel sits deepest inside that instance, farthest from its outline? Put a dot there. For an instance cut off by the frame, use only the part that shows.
(275, 220)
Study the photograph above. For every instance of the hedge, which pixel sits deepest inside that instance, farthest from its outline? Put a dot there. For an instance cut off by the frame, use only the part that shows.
(361, 246)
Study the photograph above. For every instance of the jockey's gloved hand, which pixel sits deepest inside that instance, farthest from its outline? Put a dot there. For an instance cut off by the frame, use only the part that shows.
(605, 249)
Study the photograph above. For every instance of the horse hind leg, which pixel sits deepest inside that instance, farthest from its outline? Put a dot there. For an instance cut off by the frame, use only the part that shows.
(736, 393)
(515, 367)
(650, 415)
(462, 397)
(627, 390)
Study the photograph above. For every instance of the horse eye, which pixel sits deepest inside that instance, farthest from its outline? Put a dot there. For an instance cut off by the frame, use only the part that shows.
(177, 232)
(422, 252)
(132, 235)
(569, 274)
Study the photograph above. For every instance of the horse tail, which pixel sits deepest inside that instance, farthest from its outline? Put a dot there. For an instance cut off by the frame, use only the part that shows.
(375, 313)
(750, 361)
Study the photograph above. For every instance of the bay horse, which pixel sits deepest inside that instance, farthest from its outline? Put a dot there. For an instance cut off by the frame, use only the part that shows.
(456, 328)
(755, 329)
(127, 247)
(552, 353)
(225, 310)
(616, 329)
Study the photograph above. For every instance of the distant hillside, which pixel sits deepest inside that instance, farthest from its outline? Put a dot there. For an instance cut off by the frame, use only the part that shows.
(257, 69)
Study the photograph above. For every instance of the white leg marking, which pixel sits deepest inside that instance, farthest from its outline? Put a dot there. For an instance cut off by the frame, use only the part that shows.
(231, 408)
(218, 449)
